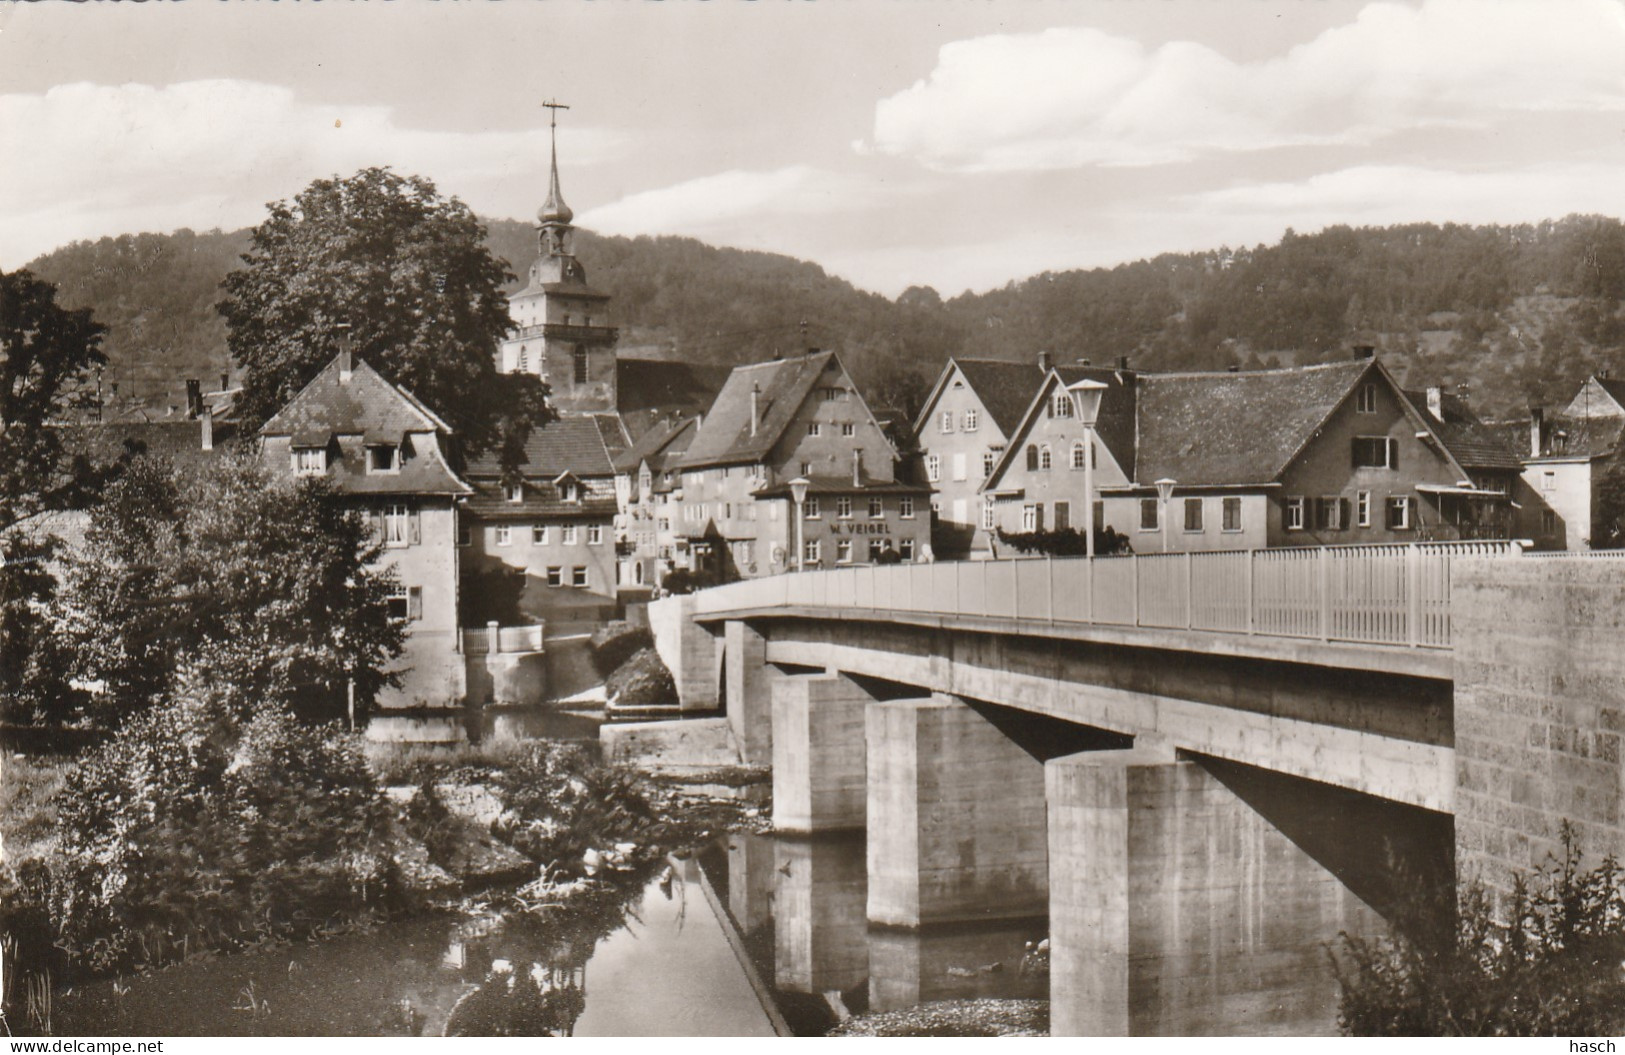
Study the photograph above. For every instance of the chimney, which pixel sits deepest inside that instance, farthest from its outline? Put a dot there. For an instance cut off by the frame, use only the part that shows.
(206, 425)
(1365, 351)
(1085, 362)
(1537, 431)
(1436, 402)
(1043, 362)
(194, 397)
(857, 467)
(346, 358)
(1233, 368)
(1122, 362)
(225, 381)
(755, 407)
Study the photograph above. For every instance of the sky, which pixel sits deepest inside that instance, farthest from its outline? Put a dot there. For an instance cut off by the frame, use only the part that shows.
(960, 144)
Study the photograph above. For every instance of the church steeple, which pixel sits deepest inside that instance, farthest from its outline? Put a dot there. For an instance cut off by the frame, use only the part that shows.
(553, 218)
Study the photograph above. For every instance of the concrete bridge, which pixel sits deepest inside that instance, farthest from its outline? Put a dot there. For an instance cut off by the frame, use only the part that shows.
(1201, 767)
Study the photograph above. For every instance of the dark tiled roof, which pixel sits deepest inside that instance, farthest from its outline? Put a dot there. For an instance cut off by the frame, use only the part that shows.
(424, 473)
(1005, 388)
(366, 405)
(539, 499)
(572, 443)
(725, 437)
(1471, 442)
(1235, 428)
(1614, 387)
(179, 439)
(649, 390)
(662, 445)
(613, 433)
(1583, 437)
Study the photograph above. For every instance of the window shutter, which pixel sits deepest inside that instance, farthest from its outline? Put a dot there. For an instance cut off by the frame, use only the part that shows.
(416, 528)
(1343, 514)
(414, 602)
(1393, 454)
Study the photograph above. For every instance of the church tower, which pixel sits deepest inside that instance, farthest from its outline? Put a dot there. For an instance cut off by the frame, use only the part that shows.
(561, 324)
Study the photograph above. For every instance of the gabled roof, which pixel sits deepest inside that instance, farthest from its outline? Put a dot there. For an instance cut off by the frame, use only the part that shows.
(1581, 437)
(364, 404)
(725, 437)
(1221, 429)
(537, 498)
(179, 439)
(650, 390)
(1114, 425)
(572, 444)
(1473, 443)
(667, 441)
(1005, 388)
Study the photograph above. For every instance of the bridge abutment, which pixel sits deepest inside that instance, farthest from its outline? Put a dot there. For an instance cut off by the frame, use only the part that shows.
(748, 690)
(955, 817)
(818, 753)
(690, 651)
(1176, 909)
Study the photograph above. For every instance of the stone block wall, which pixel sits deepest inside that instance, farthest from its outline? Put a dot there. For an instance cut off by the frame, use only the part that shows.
(1539, 710)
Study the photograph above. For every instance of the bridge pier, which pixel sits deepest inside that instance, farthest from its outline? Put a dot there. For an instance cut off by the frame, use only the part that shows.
(1176, 909)
(818, 753)
(955, 817)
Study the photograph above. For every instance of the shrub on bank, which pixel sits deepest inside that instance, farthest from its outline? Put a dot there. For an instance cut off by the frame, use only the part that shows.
(562, 800)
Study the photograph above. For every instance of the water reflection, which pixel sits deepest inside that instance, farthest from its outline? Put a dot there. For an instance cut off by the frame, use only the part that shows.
(801, 904)
(478, 725)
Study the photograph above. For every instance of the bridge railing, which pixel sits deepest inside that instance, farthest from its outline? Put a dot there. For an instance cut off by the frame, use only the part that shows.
(1384, 595)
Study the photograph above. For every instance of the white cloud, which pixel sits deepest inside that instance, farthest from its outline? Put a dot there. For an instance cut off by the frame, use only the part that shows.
(104, 159)
(739, 207)
(1070, 97)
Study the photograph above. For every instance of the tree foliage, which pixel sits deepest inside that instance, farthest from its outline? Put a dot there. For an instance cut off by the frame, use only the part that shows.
(262, 582)
(1545, 962)
(410, 274)
(1065, 542)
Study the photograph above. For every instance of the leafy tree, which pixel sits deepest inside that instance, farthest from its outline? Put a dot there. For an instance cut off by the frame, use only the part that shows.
(46, 355)
(409, 272)
(1608, 525)
(1543, 962)
(266, 584)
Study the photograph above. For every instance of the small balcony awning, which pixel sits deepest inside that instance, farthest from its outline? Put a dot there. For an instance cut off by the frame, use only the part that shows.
(1463, 490)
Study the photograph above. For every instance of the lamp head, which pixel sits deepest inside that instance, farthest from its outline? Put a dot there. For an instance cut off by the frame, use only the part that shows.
(1165, 488)
(798, 489)
(1086, 400)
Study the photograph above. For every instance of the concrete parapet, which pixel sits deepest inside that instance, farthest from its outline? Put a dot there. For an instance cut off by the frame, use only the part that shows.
(818, 753)
(1175, 909)
(955, 817)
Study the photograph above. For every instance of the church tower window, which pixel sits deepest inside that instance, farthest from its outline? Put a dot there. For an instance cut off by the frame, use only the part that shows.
(580, 365)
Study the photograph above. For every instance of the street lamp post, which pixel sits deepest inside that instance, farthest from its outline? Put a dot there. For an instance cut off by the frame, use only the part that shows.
(1086, 406)
(798, 492)
(1165, 491)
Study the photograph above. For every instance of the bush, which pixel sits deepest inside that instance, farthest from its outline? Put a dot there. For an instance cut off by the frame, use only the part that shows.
(563, 800)
(640, 681)
(189, 831)
(1548, 964)
(1065, 542)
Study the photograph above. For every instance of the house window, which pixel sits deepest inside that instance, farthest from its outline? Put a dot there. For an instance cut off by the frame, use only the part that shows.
(1060, 405)
(905, 507)
(1063, 515)
(876, 548)
(1331, 513)
(1231, 509)
(814, 429)
(1376, 452)
(595, 534)
(1548, 482)
(397, 525)
(308, 461)
(504, 535)
(877, 507)
(569, 532)
(569, 491)
(1193, 514)
(905, 549)
(933, 467)
(1150, 514)
(987, 514)
(970, 421)
(947, 424)
(1365, 401)
(848, 429)
(987, 464)
(810, 508)
(405, 603)
(514, 492)
(1032, 517)
(1548, 522)
(812, 552)
(381, 459)
(1044, 458)
(555, 575)
(843, 507)
(806, 468)
(959, 466)
(1399, 512)
(580, 359)
(1362, 508)
(538, 535)
(465, 536)
(578, 577)
(1032, 457)
(1293, 513)
(843, 551)
(1079, 450)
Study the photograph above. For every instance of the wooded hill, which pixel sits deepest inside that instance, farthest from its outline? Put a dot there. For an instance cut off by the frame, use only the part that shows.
(1519, 314)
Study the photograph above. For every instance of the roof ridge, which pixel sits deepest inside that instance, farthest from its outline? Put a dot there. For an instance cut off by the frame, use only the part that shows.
(1255, 373)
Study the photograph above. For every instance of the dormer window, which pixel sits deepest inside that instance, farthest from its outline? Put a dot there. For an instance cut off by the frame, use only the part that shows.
(514, 492)
(310, 461)
(570, 491)
(382, 458)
